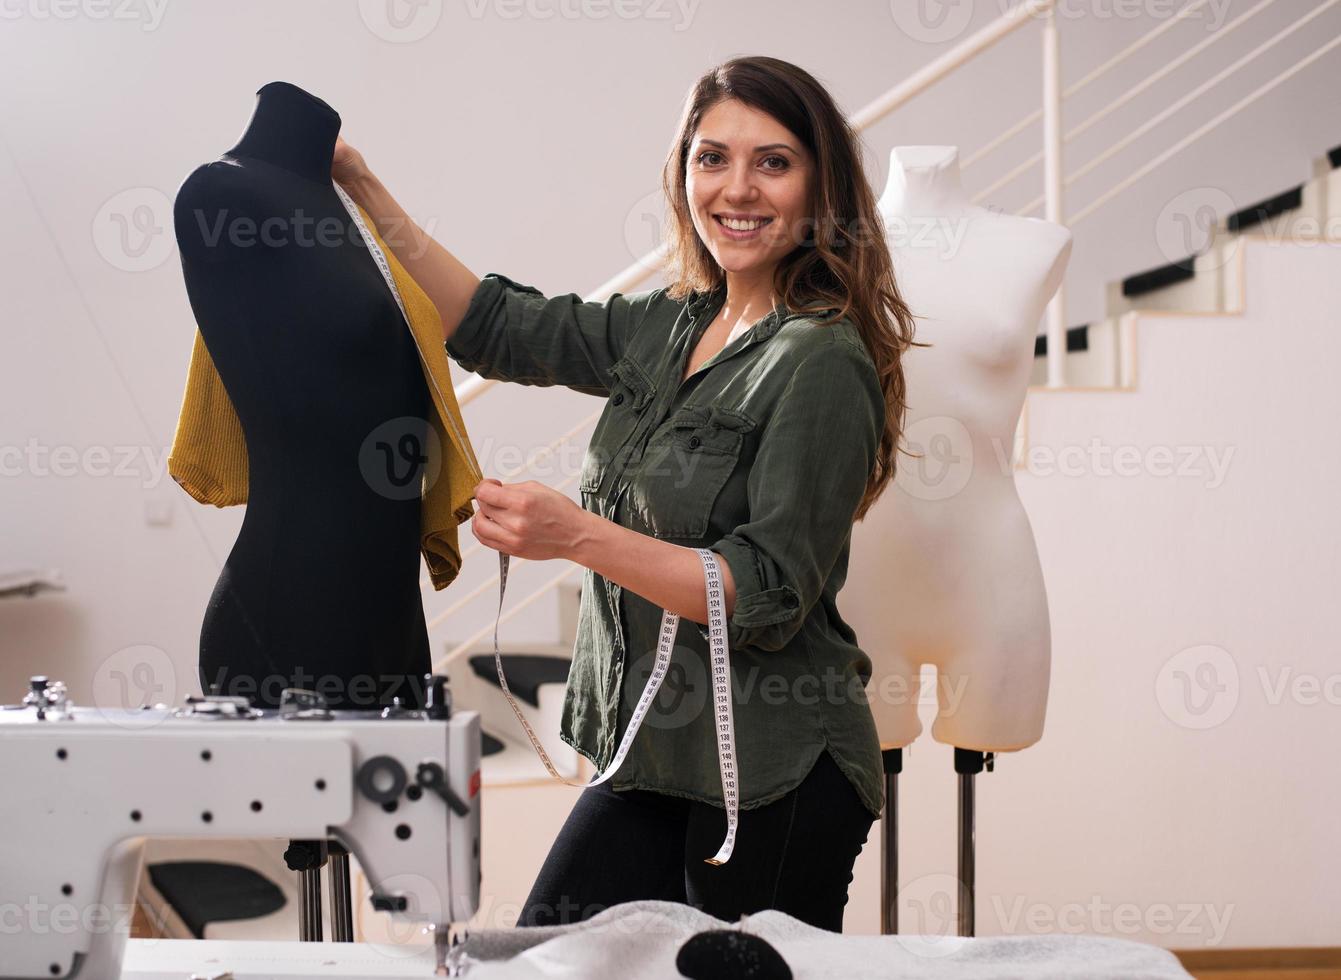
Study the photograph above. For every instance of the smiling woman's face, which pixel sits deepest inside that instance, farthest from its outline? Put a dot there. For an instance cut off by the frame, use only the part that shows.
(745, 165)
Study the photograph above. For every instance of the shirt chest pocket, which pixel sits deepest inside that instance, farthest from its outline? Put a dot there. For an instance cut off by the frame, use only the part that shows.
(688, 461)
(631, 391)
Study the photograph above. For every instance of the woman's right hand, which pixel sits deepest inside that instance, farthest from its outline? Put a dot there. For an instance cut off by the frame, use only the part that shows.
(348, 166)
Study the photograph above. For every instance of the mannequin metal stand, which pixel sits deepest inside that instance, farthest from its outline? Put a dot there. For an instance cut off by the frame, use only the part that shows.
(968, 763)
(889, 844)
(307, 857)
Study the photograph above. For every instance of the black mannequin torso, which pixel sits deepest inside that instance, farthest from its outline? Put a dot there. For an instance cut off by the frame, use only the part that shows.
(321, 589)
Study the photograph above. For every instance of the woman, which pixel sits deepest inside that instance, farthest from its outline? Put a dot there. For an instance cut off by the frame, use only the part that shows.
(754, 408)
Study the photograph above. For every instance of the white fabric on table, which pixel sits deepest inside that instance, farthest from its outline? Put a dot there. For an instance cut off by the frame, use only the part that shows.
(639, 941)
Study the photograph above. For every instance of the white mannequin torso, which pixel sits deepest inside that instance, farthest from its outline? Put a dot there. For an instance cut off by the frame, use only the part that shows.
(944, 569)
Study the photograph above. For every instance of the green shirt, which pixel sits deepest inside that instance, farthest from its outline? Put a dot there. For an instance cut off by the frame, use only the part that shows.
(762, 456)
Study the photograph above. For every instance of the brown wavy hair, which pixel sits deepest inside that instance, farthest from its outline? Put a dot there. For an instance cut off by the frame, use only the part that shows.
(842, 262)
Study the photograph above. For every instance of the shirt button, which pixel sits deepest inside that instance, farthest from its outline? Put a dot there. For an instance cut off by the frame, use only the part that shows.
(695, 442)
(790, 601)
(619, 398)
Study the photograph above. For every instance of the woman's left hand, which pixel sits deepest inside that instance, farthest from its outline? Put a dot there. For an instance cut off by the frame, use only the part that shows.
(528, 520)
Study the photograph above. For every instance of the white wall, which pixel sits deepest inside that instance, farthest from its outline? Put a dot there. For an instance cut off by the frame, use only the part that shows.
(530, 146)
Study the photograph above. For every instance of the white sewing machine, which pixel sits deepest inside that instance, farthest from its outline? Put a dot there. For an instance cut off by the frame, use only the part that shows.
(85, 786)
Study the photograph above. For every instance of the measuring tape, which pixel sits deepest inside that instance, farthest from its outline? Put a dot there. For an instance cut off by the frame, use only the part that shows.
(385, 268)
(716, 600)
(721, 686)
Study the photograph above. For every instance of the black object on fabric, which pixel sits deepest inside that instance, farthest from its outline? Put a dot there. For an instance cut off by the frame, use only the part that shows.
(723, 954)
(321, 588)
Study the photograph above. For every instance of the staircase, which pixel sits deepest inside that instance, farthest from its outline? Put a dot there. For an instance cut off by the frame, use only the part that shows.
(1103, 354)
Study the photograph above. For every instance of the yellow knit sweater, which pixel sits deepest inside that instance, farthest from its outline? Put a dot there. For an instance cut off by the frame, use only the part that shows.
(209, 453)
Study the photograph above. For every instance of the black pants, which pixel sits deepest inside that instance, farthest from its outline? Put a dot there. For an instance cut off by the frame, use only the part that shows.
(794, 854)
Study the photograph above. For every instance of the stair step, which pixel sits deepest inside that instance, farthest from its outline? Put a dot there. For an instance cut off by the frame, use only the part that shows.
(1255, 214)
(1159, 277)
(525, 672)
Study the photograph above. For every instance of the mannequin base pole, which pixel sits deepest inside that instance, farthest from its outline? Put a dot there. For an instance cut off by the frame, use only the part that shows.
(968, 763)
(889, 845)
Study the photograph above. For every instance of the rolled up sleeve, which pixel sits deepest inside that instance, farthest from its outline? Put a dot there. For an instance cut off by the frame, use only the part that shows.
(808, 477)
(513, 332)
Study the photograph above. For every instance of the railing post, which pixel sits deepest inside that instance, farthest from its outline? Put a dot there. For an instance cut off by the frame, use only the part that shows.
(1052, 187)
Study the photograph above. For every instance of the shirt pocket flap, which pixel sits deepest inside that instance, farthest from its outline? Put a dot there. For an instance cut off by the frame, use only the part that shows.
(726, 418)
(628, 379)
